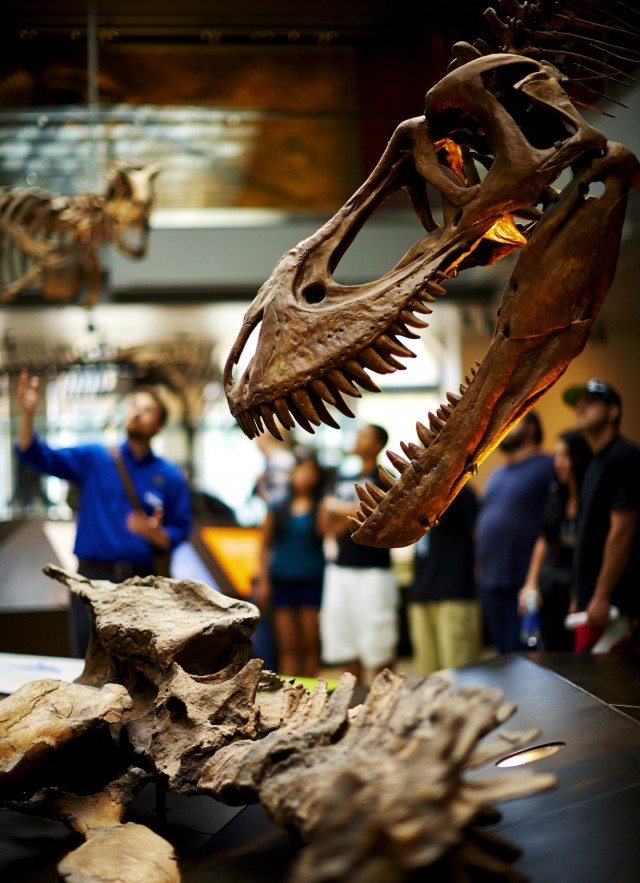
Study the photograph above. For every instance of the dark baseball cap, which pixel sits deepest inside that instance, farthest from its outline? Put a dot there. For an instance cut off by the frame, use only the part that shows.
(594, 386)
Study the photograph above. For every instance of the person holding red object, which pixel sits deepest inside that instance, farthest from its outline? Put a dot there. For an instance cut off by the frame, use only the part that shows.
(607, 553)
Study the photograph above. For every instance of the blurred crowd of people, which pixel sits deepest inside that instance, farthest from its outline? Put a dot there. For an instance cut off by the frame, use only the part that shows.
(547, 556)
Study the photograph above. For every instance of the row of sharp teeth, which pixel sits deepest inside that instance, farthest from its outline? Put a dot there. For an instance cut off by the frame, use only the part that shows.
(307, 405)
(370, 495)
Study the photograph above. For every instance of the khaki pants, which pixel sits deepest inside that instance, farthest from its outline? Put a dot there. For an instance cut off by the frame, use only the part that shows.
(445, 634)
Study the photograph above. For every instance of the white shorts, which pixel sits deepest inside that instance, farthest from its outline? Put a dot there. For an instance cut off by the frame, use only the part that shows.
(359, 616)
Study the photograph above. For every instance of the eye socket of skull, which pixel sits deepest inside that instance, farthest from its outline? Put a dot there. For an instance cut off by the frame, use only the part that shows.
(465, 129)
(461, 105)
(527, 92)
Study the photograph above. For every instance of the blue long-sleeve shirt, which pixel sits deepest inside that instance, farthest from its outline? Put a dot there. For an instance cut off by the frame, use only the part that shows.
(102, 534)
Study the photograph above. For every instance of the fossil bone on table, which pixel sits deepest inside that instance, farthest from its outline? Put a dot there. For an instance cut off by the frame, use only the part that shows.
(170, 693)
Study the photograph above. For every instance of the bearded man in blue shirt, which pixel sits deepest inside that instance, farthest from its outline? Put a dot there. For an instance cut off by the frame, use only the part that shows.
(114, 540)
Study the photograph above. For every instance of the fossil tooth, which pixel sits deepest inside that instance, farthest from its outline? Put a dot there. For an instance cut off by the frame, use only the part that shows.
(298, 416)
(388, 343)
(353, 524)
(416, 466)
(389, 359)
(374, 491)
(368, 510)
(373, 360)
(361, 516)
(411, 450)
(360, 376)
(305, 405)
(364, 496)
(341, 405)
(400, 328)
(385, 477)
(434, 288)
(453, 399)
(246, 424)
(443, 412)
(337, 379)
(257, 419)
(425, 435)
(435, 422)
(397, 461)
(283, 413)
(270, 423)
(463, 388)
(416, 304)
(321, 411)
(321, 388)
(409, 319)
(424, 522)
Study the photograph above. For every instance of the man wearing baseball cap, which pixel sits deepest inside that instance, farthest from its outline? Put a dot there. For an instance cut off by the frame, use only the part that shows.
(607, 551)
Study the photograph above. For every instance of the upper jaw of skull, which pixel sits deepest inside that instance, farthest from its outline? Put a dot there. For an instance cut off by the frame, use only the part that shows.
(318, 339)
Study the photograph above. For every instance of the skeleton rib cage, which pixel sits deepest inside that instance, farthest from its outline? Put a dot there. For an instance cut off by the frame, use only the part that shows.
(53, 241)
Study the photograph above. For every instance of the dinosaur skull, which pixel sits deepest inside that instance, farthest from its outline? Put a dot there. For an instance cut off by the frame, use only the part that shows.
(183, 652)
(496, 134)
(129, 197)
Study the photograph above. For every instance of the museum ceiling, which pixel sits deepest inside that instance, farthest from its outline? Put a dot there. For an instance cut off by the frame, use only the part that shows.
(265, 105)
(283, 106)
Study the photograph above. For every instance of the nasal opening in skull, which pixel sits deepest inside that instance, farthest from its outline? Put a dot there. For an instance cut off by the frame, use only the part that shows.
(314, 293)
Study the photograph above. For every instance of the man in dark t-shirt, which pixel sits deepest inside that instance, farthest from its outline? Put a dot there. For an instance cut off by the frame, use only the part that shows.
(358, 616)
(443, 611)
(607, 553)
(507, 527)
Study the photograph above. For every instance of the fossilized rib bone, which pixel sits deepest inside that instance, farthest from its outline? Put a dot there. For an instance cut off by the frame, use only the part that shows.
(318, 339)
(54, 241)
(380, 791)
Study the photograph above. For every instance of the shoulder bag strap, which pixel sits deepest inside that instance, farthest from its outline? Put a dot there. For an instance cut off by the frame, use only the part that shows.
(126, 479)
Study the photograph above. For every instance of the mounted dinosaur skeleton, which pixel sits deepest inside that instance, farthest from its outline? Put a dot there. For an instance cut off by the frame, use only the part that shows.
(497, 132)
(54, 241)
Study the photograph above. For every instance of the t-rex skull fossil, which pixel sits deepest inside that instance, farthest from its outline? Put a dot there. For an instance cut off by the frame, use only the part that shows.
(497, 133)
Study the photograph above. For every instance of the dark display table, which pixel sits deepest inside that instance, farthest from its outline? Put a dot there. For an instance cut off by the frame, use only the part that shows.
(586, 829)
